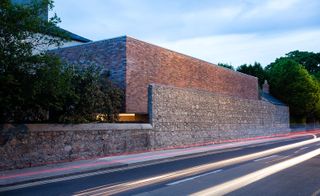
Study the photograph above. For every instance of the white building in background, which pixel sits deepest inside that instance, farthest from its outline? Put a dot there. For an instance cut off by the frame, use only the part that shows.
(74, 38)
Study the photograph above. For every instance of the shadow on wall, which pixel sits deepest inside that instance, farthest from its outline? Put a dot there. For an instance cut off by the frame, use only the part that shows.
(11, 131)
(302, 127)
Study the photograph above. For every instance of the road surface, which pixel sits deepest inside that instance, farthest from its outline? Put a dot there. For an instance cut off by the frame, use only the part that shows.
(289, 167)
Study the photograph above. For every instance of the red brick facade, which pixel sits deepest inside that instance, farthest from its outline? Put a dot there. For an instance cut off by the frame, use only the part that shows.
(135, 64)
(147, 63)
(110, 54)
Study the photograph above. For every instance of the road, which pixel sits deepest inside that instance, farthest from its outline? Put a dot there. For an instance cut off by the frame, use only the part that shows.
(289, 167)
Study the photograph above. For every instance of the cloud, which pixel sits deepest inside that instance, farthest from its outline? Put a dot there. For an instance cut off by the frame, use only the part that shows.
(173, 20)
(233, 31)
(239, 49)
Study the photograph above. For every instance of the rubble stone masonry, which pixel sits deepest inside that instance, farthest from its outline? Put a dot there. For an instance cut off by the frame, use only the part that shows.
(185, 116)
(44, 144)
(179, 117)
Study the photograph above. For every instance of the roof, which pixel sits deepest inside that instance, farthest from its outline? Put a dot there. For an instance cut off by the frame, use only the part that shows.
(44, 15)
(75, 37)
(269, 98)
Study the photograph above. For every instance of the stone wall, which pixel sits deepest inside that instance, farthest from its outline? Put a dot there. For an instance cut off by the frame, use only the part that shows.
(147, 64)
(179, 117)
(185, 116)
(42, 144)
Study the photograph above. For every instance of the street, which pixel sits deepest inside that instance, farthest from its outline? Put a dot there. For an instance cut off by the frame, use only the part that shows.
(288, 167)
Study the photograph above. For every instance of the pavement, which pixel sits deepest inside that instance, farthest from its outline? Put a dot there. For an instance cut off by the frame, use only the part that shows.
(111, 163)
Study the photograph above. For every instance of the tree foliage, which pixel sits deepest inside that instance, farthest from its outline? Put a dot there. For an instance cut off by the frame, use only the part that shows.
(290, 82)
(92, 94)
(253, 70)
(36, 86)
(310, 60)
(225, 65)
(23, 32)
(30, 80)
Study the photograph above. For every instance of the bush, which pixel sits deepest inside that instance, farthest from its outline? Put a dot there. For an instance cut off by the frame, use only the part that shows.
(92, 94)
(59, 93)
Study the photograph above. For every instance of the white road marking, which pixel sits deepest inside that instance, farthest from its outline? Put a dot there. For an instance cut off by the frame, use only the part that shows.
(264, 158)
(235, 184)
(301, 149)
(278, 159)
(194, 177)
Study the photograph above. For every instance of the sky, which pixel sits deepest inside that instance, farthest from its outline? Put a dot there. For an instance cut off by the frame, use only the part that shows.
(226, 31)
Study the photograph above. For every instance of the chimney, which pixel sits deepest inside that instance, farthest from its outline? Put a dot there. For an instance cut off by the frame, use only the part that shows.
(265, 87)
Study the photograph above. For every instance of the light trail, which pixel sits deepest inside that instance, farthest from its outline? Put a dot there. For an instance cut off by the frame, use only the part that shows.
(278, 159)
(264, 158)
(230, 186)
(194, 177)
(301, 149)
(114, 189)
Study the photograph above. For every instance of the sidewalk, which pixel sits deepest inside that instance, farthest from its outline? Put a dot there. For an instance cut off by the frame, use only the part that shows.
(20, 176)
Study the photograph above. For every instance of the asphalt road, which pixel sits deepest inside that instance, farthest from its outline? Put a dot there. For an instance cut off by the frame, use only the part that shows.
(199, 174)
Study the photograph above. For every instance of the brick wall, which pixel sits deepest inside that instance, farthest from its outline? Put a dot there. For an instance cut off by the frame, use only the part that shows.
(147, 63)
(134, 65)
(111, 54)
(185, 116)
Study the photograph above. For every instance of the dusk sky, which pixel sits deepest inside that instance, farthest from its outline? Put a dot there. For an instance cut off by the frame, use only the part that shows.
(233, 31)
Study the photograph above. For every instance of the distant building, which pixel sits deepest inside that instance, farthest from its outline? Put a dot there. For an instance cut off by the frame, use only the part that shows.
(74, 38)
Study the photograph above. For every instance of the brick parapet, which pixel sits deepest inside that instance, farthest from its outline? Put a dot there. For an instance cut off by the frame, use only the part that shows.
(135, 64)
(147, 63)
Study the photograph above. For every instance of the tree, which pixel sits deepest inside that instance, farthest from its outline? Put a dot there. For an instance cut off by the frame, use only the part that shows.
(290, 82)
(228, 66)
(23, 32)
(36, 86)
(31, 81)
(310, 60)
(254, 70)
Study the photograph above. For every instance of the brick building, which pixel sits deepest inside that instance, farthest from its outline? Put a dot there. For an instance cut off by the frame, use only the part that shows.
(189, 102)
(134, 64)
